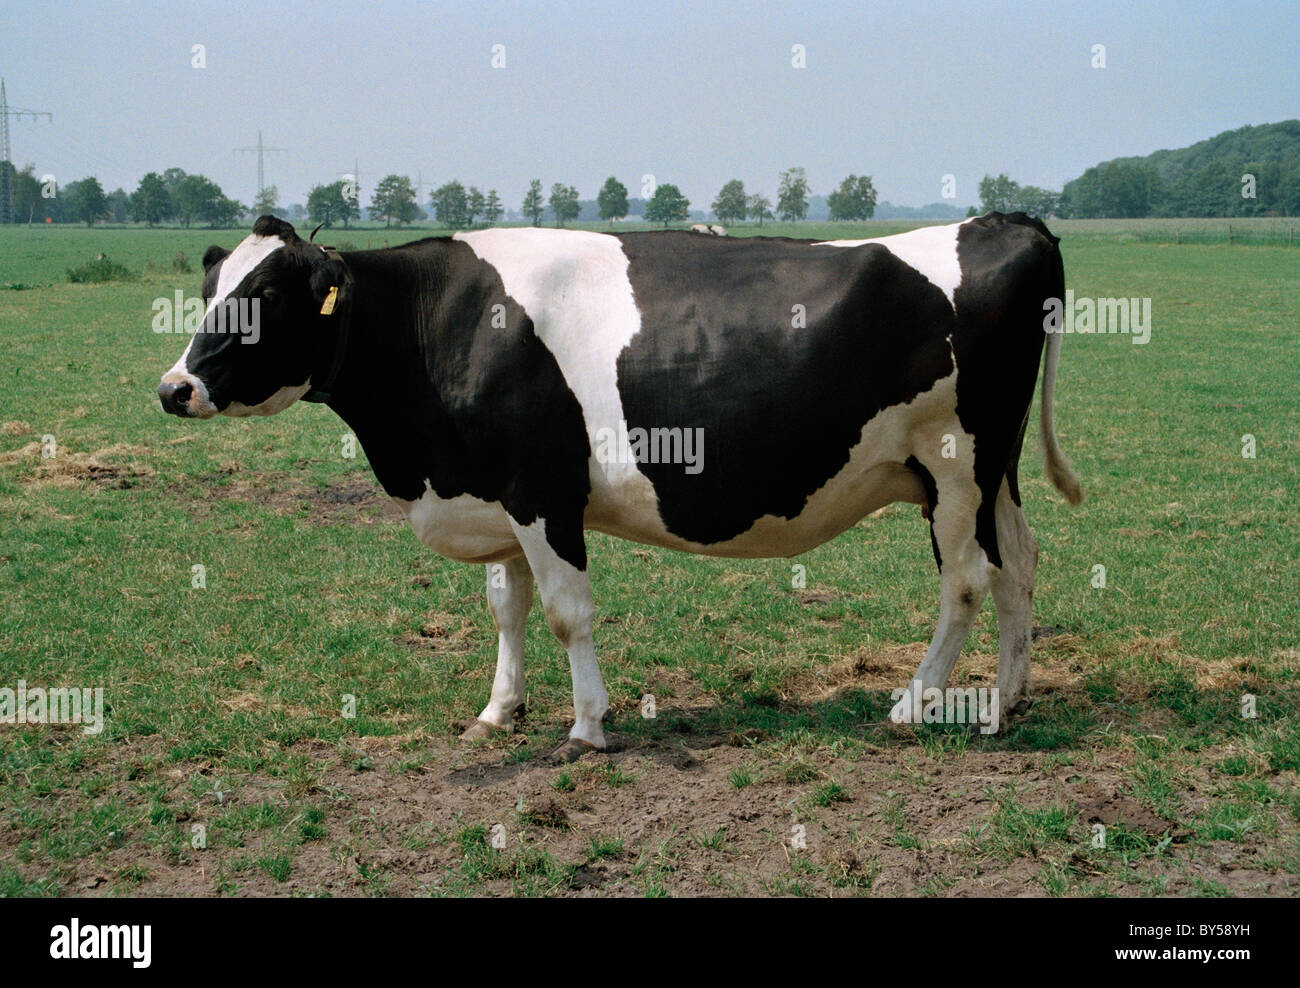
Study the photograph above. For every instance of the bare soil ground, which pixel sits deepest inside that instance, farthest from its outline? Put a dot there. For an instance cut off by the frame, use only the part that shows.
(665, 816)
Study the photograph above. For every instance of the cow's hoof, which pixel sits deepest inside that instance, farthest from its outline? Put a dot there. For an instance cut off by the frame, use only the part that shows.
(1017, 709)
(480, 730)
(571, 751)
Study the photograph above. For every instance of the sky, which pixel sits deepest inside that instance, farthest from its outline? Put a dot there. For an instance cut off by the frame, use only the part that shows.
(692, 93)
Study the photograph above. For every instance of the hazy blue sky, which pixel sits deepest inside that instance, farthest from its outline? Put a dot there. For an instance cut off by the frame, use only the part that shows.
(693, 93)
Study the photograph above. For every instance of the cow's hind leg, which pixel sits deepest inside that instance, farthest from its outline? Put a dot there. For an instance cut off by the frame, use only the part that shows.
(510, 597)
(965, 577)
(566, 598)
(1013, 592)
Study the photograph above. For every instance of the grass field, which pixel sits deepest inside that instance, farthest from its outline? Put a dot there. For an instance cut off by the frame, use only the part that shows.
(226, 766)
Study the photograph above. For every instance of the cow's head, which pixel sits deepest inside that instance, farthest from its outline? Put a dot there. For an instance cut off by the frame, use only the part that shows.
(273, 305)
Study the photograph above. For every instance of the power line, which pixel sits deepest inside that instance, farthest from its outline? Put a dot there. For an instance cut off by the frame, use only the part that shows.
(6, 154)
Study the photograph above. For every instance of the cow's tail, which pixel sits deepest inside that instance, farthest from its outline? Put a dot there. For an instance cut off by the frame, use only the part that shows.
(1055, 461)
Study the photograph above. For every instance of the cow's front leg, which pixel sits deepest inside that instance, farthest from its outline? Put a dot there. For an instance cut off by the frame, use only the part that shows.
(510, 596)
(566, 598)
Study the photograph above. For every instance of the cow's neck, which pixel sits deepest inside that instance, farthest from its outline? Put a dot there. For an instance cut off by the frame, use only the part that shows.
(384, 391)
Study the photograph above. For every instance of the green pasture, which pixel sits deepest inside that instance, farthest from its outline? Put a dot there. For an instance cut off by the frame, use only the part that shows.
(235, 684)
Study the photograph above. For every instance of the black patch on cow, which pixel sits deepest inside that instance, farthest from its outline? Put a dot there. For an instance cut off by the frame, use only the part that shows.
(1010, 265)
(439, 387)
(1013, 465)
(780, 407)
(931, 501)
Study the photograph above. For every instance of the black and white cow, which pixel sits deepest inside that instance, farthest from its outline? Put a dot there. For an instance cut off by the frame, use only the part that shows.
(503, 383)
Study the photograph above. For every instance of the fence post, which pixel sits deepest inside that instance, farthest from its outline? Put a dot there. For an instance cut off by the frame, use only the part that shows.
(1229, 234)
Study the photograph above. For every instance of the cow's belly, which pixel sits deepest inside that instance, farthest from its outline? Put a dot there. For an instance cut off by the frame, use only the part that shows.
(624, 502)
(835, 508)
(462, 528)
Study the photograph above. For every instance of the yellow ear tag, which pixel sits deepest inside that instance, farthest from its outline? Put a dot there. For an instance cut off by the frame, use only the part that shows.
(327, 307)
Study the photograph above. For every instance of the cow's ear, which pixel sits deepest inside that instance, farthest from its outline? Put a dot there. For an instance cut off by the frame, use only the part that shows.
(331, 282)
(213, 255)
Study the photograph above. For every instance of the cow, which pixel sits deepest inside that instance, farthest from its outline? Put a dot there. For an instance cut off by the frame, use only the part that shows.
(712, 229)
(514, 388)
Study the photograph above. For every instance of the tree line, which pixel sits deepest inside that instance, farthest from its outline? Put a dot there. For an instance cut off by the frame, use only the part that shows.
(1251, 171)
(173, 196)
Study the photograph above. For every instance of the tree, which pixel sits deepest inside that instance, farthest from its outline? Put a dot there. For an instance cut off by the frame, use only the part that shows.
(1039, 202)
(195, 197)
(476, 204)
(451, 205)
(26, 191)
(666, 205)
(758, 207)
(87, 200)
(119, 205)
(492, 208)
(1000, 193)
(731, 204)
(172, 179)
(855, 199)
(564, 203)
(327, 204)
(534, 206)
(394, 200)
(792, 195)
(612, 199)
(223, 212)
(265, 201)
(151, 203)
(351, 193)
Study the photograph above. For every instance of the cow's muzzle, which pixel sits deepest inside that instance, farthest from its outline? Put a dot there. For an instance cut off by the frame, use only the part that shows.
(175, 397)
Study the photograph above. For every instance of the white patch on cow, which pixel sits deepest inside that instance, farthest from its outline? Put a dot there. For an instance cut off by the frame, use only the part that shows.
(278, 402)
(574, 286)
(931, 250)
(235, 267)
(463, 528)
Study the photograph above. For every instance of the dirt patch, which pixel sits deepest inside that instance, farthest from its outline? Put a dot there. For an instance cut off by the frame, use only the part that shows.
(1113, 810)
(68, 468)
(443, 633)
(354, 500)
(660, 816)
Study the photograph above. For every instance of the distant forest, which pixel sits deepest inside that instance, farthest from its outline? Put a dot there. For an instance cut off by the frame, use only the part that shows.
(1253, 171)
